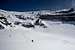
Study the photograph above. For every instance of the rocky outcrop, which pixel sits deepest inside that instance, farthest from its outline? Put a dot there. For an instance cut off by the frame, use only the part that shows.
(1, 27)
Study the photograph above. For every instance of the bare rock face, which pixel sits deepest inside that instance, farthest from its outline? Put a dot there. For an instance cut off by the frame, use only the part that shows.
(17, 23)
(20, 17)
(39, 22)
(4, 21)
(1, 27)
(28, 25)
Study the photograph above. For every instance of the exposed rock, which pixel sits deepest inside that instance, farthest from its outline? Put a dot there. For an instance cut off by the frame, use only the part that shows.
(17, 23)
(28, 25)
(20, 17)
(57, 18)
(4, 21)
(1, 27)
(39, 22)
(36, 18)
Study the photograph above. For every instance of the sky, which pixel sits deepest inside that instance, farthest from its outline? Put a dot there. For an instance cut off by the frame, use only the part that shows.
(73, 3)
(27, 5)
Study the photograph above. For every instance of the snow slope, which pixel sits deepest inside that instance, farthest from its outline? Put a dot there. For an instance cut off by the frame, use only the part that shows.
(25, 31)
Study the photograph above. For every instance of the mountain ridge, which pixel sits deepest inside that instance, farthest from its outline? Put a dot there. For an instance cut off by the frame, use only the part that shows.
(31, 19)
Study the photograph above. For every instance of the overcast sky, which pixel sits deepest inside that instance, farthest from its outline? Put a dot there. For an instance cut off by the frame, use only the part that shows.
(24, 5)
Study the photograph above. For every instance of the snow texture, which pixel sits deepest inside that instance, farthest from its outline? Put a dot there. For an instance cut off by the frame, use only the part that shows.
(37, 30)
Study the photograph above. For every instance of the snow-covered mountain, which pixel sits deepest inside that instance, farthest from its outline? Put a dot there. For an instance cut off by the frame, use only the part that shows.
(24, 19)
(35, 18)
(37, 30)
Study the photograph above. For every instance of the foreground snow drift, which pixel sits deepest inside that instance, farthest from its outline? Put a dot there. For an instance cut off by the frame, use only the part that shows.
(21, 39)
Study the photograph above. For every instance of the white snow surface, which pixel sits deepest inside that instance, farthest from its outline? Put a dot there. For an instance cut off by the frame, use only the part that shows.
(56, 36)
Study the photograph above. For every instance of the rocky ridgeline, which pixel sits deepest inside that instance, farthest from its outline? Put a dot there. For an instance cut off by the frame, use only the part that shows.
(32, 19)
(27, 22)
